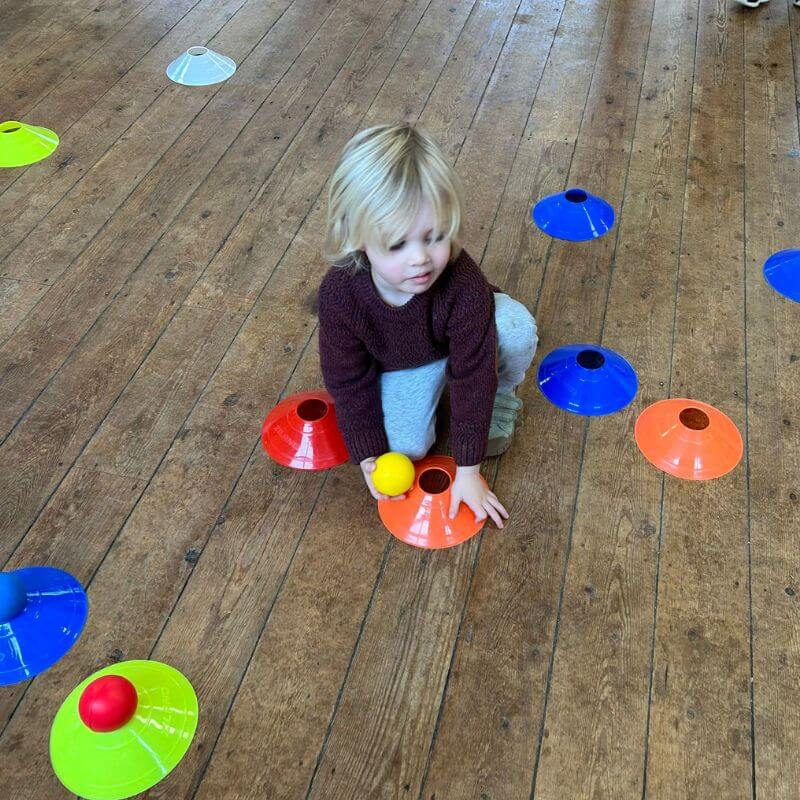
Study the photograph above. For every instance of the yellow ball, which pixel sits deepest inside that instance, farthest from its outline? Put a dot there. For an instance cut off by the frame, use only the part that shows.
(394, 474)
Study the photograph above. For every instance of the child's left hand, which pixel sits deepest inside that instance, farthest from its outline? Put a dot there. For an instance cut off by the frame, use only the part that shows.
(470, 489)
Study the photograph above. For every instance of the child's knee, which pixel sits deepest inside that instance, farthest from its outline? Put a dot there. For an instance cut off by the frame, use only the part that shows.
(415, 445)
(516, 327)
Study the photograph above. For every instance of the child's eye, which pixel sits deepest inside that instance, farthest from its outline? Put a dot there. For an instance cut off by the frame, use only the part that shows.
(399, 246)
(439, 238)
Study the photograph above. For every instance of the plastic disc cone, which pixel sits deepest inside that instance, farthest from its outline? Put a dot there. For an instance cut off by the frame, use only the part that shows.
(42, 614)
(688, 439)
(588, 380)
(782, 273)
(301, 433)
(199, 66)
(22, 144)
(136, 754)
(423, 519)
(574, 215)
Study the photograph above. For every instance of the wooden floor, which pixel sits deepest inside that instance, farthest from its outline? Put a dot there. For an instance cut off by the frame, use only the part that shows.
(628, 635)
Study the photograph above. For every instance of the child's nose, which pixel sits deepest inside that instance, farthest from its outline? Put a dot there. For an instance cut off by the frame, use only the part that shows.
(419, 255)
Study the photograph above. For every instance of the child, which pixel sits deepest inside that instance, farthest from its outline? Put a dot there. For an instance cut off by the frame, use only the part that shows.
(404, 310)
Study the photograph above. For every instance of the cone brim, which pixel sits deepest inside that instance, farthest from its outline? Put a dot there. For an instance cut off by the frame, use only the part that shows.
(302, 444)
(782, 273)
(125, 762)
(204, 69)
(422, 520)
(587, 392)
(686, 453)
(47, 627)
(559, 217)
(22, 144)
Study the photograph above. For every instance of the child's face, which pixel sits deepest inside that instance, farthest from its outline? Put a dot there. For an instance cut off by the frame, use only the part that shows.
(412, 264)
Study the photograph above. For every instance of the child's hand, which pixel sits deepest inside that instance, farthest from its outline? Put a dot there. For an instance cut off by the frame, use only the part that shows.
(368, 467)
(470, 489)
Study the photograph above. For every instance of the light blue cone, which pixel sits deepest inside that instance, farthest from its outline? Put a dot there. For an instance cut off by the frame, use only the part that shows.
(199, 66)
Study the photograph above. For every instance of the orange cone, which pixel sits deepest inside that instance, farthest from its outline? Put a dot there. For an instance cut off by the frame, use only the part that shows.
(301, 433)
(422, 519)
(688, 439)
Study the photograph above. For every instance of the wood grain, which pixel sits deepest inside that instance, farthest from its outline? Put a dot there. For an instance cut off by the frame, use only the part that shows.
(595, 731)
(772, 195)
(701, 674)
(628, 635)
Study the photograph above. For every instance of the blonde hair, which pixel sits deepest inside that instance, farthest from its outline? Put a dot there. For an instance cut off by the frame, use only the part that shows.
(384, 175)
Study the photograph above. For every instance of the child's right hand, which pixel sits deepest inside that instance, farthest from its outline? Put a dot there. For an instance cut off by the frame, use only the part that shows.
(368, 467)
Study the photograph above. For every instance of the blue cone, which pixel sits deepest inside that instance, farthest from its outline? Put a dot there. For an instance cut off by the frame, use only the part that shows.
(574, 215)
(42, 614)
(782, 273)
(199, 66)
(588, 380)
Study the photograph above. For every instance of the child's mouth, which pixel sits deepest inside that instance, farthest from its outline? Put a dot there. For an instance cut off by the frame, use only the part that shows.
(421, 278)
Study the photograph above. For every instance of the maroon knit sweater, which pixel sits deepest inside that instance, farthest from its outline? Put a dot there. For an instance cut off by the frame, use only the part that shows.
(361, 336)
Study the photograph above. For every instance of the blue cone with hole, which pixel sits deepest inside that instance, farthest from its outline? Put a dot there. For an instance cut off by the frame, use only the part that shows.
(42, 614)
(588, 380)
(199, 66)
(574, 215)
(782, 273)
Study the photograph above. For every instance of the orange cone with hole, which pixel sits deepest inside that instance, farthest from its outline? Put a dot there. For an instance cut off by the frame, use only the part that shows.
(301, 433)
(423, 519)
(688, 439)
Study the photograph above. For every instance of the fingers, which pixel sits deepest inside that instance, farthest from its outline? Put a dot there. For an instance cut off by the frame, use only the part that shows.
(371, 486)
(490, 506)
(495, 509)
(495, 515)
(379, 495)
(376, 494)
(477, 509)
(368, 467)
(492, 498)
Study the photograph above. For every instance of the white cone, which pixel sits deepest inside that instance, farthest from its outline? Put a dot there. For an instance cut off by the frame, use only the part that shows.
(199, 66)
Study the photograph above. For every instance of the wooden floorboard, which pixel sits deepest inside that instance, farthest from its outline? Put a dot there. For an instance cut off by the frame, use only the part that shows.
(88, 79)
(126, 134)
(629, 635)
(598, 700)
(772, 199)
(34, 27)
(159, 276)
(701, 700)
(72, 50)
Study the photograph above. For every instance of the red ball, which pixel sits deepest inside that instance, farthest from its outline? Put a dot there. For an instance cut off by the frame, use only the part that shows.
(108, 703)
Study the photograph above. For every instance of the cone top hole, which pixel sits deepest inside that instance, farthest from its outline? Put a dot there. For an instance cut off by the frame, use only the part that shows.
(312, 410)
(591, 359)
(694, 419)
(10, 127)
(576, 196)
(197, 51)
(434, 481)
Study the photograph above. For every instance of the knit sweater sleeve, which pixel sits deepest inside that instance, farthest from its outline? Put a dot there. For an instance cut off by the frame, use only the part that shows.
(352, 377)
(472, 365)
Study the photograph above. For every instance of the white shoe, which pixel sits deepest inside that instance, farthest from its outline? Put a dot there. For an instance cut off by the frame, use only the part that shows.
(757, 3)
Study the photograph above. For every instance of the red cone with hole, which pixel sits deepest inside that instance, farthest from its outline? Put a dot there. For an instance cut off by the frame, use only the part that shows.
(688, 439)
(423, 519)
(301, 432)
